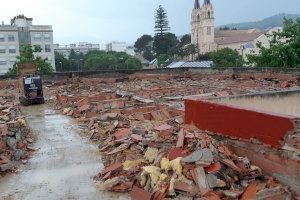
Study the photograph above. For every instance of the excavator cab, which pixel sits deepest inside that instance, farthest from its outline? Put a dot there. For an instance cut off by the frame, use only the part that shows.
(30, 85)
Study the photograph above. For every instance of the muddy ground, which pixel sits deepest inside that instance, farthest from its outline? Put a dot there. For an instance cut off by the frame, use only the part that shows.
(62, 166)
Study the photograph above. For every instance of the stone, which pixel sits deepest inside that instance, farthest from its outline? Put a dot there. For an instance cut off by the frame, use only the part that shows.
(200, 179)
(214, 182)
(232, 194)
(18, 155)
(180, 140)
(202, 155)
(12, 143)
(6, 167)
(18, 136)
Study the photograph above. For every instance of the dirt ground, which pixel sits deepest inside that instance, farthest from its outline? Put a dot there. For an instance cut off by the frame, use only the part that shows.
(62, 166)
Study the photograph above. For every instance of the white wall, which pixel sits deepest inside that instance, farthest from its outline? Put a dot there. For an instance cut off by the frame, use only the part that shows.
(9, 57)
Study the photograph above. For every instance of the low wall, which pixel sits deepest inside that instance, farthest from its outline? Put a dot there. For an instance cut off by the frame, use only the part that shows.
(116, 73)
(236, 126)
(239, 122)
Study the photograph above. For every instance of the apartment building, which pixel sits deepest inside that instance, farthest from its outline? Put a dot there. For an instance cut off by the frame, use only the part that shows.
(82, 47)
(19, 32)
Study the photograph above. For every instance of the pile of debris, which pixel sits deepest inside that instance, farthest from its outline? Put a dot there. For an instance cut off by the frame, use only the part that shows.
(7, 84)
(15, 138)
(148, 151)
(156, 162)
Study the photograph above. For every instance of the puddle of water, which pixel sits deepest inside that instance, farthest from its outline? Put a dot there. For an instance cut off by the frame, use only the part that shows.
(288, 104)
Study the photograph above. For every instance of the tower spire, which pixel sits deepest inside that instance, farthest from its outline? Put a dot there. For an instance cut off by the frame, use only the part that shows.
(197, 4)
(206, 2)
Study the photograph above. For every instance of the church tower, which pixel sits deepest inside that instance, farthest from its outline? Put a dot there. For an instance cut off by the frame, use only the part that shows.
(203, 28)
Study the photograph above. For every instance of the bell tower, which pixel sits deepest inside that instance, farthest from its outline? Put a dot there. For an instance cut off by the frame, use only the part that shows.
(202, 27)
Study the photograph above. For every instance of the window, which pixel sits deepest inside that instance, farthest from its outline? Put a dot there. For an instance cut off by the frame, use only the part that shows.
(12, 61)
(47, 37)
(2, 61)
(11, 38)
(208, 14)
(47, 48)
(208, 30)
(37, 37)
(12, 49)
(2, 49)
(2, 38)
(198, 17)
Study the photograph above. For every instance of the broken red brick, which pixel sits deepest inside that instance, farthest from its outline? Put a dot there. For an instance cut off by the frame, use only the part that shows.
(231, 164)
(4, 130)
(193, 190)
(163, 127)
(121, 133)
(84, 108)
(213, 168)
(82, 102)
(138, 116)
(113, 168)
(250, 192)
(156, 116)
(212, 196)
(90, 114)
(176, 153)
(2, 145)
(139, 194)
(136, 137)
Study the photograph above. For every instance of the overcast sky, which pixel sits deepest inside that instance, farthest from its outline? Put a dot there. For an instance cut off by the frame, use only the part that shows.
(101, 21)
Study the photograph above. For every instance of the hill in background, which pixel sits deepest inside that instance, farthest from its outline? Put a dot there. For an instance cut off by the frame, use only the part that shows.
(270, 22)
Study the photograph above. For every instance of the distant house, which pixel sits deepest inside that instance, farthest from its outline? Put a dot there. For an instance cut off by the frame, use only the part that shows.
(82, 47)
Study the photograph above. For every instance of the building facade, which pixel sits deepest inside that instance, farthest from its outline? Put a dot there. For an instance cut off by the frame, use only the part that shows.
(208, 39)
(21, 31)
(202, 25)
(116, 46)
(82, 47)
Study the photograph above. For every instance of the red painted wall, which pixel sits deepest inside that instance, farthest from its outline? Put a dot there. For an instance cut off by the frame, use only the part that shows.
(238, 122)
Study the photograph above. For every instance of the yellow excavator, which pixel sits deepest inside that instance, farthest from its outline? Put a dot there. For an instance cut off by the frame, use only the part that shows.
(30, 85)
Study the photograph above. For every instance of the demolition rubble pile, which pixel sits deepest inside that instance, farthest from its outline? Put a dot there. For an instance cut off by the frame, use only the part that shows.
(148, 151)
(15, 139)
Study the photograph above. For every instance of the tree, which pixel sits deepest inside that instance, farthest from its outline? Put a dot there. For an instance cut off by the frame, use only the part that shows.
(284, 50)
(27, 55)
(185, 39)
(165, 44)
(163, 60)
(76, 60)
(185, 48)
(224, 28)
(62, 64)
(227, 58)
(100, 60)
(161, 21)
(143, 45)
(133, 63)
